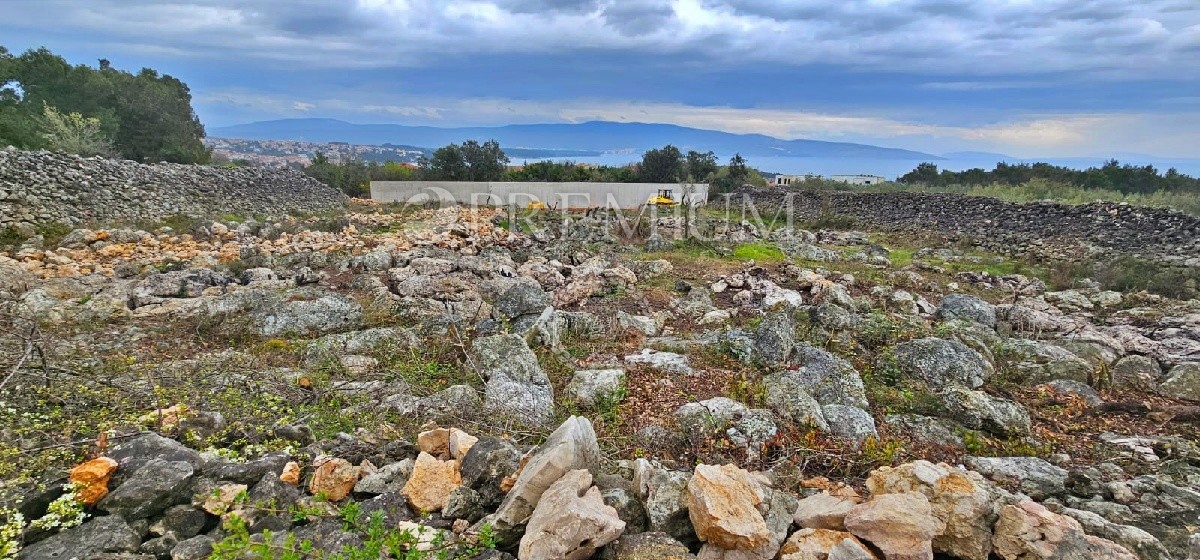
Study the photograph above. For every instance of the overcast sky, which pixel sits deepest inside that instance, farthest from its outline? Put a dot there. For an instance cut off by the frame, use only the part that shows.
(1031, 78)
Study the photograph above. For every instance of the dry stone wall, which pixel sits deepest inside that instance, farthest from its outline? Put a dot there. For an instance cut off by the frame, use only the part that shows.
(1040, 228)
(38, 188)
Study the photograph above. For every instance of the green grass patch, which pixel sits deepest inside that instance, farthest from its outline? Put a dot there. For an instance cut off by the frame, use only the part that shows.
(760, 252)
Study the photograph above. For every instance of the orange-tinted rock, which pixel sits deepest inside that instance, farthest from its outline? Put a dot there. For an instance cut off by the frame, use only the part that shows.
(92, 479)
(290, 473)
(334, 478)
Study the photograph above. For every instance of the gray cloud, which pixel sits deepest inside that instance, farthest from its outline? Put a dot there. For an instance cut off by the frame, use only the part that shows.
(639, 17)
(951, 37)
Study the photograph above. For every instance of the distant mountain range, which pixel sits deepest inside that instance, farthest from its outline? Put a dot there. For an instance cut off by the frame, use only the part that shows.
(581, 139)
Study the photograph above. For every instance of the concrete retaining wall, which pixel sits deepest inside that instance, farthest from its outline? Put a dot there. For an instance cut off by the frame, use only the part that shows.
(559, 195)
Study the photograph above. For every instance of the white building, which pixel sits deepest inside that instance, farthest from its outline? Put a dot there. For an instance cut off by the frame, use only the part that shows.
(858, 179)
(783, 180)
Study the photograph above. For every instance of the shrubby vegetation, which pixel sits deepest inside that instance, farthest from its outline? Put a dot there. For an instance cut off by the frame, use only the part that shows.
(45, 103)
(1113, 176)
(472, 161)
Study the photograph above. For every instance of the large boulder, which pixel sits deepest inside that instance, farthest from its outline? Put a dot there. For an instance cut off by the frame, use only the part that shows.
(594, 386)
(960, 499)
(571, 521)
(664, 494)
(788, 398)
(100, 535)
(775, 337)
(1031, 475)
(723, 506)
(966, 307)
(1183, 382)
(824, 511)
(943, 363)
(850, 422)
(327, 313)
(980, 411)
(517, 389)
(901, 525)
(1137, 372)
(155, 486)
(523, 297)
(1040, 361)
(1029, 531)
(571, 447)
(1145, 545)
(828, 378)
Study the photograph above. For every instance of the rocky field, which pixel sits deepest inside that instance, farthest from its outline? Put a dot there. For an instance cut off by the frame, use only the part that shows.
(449, 383)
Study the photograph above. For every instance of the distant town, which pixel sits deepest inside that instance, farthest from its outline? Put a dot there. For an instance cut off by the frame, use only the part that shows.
(298, 153)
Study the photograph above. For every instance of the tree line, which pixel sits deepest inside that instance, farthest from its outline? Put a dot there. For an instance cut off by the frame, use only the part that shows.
(46, 103)
(1114, 176)
(475, 161)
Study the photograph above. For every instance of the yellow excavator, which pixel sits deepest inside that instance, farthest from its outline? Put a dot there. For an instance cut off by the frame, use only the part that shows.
(536, 205)
(664, 198)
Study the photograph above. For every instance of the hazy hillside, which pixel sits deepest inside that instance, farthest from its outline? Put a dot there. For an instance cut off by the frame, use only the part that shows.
(590, 136)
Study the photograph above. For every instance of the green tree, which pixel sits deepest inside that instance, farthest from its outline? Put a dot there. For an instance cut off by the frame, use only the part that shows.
(74, 133)
(662, 165)
(148, 117)
(484, 162)
(701, 166)
(447, 164)
(926, 173)
(469, 161)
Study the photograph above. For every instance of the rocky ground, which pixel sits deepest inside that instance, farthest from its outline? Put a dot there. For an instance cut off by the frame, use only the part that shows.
(465, 384)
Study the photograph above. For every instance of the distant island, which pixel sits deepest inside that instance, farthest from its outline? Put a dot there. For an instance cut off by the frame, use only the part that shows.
(560, 140)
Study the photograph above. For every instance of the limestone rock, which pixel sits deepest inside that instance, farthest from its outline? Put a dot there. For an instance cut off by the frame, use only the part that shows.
(570, 521)
(824, 544)
(592, 386)
(722, 504)
(290, 473)
(1132, 538)
(517, 388)
(334, 478)
(1029, 531)
(1031, 475)
(1183, 382)
(828, 378)
(901, 525)
(787, 396)
(971, 308)
(664, 495)
(435, 442)
(850, 422)
(430, 483)
(389, 478)
(775, 337)
(824, 511)
(460, 443)
(943, 363)
(649, 546)
(571, 447)
(1135, 371)
(958, 498)
(980, 411)
(666, 361)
